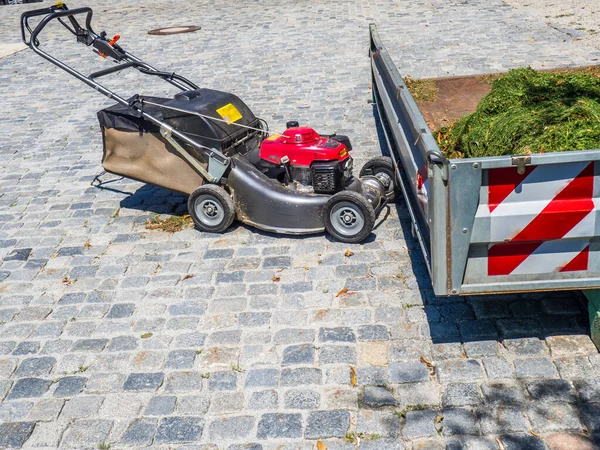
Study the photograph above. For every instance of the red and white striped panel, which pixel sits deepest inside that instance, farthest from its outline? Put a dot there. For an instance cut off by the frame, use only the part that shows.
(541, 221)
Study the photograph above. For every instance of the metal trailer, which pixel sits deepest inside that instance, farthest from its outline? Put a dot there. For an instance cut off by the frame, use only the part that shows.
(520, 223)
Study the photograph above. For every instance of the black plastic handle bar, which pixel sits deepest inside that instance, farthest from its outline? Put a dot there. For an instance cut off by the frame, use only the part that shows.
(112, 69)
(54, 12)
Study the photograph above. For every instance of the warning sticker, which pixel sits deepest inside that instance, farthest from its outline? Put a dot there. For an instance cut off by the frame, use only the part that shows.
(229, 113)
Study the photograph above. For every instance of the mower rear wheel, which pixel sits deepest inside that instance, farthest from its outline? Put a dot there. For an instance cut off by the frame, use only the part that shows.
(385, 165)
(211, 208)
(349, 217)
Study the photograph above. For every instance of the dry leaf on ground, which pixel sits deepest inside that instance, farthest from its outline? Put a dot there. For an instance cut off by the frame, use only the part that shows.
(342, 292)
(353, 376)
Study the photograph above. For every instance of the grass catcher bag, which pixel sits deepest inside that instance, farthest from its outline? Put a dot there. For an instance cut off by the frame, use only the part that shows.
(134, 148)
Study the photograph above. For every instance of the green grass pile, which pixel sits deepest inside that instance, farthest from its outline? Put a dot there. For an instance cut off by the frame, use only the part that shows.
(529, 112)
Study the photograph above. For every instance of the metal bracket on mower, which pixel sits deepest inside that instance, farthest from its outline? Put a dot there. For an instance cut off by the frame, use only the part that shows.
(217, 162)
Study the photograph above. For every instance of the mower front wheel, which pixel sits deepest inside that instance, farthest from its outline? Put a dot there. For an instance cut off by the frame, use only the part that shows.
(211, 208)
(382, 165)
(349, 217)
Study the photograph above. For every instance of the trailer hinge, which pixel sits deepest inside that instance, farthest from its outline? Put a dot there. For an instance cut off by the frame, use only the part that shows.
(520, 162)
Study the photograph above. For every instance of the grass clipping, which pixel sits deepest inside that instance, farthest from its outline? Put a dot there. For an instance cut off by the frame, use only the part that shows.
(529, 112)
(171, 224)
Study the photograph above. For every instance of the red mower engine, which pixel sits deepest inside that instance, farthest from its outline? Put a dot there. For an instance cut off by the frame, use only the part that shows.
(309, 159)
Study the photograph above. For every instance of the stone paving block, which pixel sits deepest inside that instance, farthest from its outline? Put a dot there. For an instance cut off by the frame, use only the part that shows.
(140, 432)
(121, 405)
(121, 311)
(502, 419)
(337, 354)
(570, 345)
(69, 386)
(4, 388)
(26, 348)
(504, 393)
(298, 354)
(14, 411)
(302, 399)
(46, 435)
(381, 445)
(15, 434)
(548, 417)
(28, 388)
(459, 421)
(160, 405)
(6, 347)
(340, 334)
(560, 441)
(180, 359)
(46, 409)
(574, 368)
(481, 348)
(143, 381)
(458, 370)
(105, 382)
(420, 424)
(231, 428)
(279, 426)
(461, 394)
(222, 381)
(183, 381)
(300, 376)
(498, 368)
(193, 339)
(266, 400)
(122, 343)
(82, 406)
(427, 394)
(89, 345)
(193, 405)
(377, 376)
(525, 346)
(294, 336)
(471, 442)
(551, 391)
(327, 424)
(376, 397)
(588, 390)
(87, 433)
(245, 447)
(377, 424)
(405, 372)
(173, 430)
(31, 367)
(373, 333)
(262, 378)
(535, 368)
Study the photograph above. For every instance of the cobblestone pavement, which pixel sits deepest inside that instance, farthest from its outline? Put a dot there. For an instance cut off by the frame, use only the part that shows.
(112, 334)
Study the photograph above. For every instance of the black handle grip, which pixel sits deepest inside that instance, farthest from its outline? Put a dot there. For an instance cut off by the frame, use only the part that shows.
(51, 13)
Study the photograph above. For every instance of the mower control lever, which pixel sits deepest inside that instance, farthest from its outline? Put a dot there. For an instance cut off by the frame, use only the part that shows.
(107, 48)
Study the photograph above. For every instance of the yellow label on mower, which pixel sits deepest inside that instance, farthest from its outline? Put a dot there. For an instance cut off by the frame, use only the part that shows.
(229, 113)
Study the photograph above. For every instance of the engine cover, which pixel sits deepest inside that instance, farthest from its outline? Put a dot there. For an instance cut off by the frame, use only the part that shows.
(303, 146)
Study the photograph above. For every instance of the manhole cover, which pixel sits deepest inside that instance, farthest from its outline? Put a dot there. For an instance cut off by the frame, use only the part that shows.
(174, 30)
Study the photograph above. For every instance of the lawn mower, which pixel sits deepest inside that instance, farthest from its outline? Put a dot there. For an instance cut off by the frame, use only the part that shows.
(209, 144)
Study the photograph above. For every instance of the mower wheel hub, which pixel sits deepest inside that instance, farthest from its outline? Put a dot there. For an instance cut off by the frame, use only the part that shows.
(209, 211)
(346, 219)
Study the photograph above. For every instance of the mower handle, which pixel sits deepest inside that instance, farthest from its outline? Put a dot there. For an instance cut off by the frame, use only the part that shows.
(107, 48)
(55, 12)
